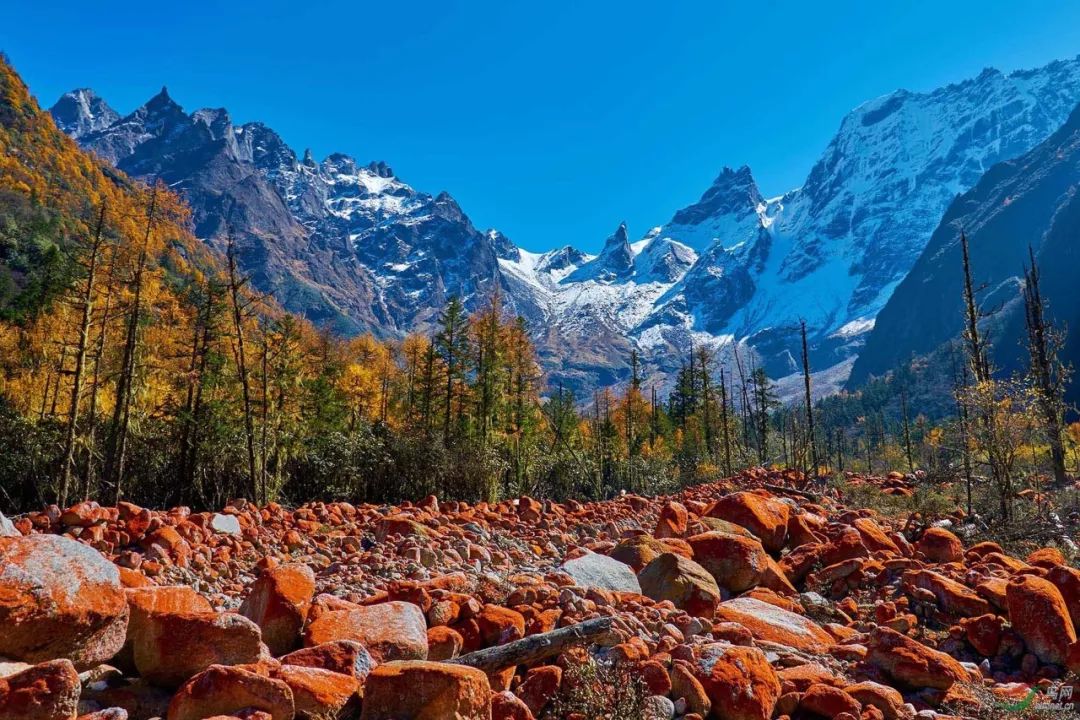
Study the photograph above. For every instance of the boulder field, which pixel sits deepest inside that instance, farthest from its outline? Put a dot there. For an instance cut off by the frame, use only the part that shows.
(748, 599)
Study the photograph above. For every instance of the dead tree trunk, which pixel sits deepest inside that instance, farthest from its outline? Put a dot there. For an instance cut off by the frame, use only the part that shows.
(87, 303)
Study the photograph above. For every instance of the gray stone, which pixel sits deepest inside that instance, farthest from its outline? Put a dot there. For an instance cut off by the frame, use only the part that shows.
(600, 571)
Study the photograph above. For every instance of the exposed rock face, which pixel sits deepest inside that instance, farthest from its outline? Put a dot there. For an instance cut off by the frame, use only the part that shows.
(737, 563)
(173, 647)
(59, 599)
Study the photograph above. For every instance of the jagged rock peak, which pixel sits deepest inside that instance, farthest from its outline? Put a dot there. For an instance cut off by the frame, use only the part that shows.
(733, 192)
(162, 99)
(380, 169)
(82, 111)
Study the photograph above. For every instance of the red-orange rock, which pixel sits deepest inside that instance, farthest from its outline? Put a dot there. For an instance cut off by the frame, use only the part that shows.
(874, 537)
(639, 551)
(278, 603)
(681, 581)
(390, 631)
(318, 693)
(739, 681)
(507, 706)
(984, 633)
(49, 691)
(540, 686)
(1067, 581)
(221, 690)
(673, 521)
(941, 546)
(499, 625)
(911, 662)
(828, 702)
(774, 624)
(1047, 557)
(444, 643)
(685, 685)
(799, 678)
(951, 596)
(735, 562)
(1038, 614)
(144, 601)
(765, 517)
(347, 657)
(172, 647)
(59, 599)
(887, 700)
(420, 690)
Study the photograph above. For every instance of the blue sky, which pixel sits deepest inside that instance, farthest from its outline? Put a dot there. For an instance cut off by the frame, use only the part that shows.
(549, 121)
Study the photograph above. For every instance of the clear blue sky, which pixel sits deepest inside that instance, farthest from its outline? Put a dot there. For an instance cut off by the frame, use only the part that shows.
(549, 121)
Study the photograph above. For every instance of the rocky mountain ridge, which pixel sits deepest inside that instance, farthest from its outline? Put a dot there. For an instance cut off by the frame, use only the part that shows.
(353, 246)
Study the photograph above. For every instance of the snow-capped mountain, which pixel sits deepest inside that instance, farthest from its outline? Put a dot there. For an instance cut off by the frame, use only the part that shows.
(353, 246)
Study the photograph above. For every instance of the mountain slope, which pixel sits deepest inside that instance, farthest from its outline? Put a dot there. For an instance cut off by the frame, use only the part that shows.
(346, 245)
(1030, 201)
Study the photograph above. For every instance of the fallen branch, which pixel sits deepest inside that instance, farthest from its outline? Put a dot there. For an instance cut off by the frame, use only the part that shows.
(536, 647)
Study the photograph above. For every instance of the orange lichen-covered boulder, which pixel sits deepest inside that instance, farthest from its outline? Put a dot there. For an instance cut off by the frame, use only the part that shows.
(49, 691)
(390, 631)
(952, 597)
(774, 624)
(739, 681)
(347, 657)
(1067, 581)
(828, 701)
(912, 663)
(278, 603)
(320, 693)
(940, 546)
(886, 699)
(59, 599)
(144, 601)
(221, 690)
(498, 625)
(172, 647)
(685, 583)
(765, 517)
(421, 690)
(737, 563)
(1038, 615)
(506, 705)
(673, 521)
(984, 633)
